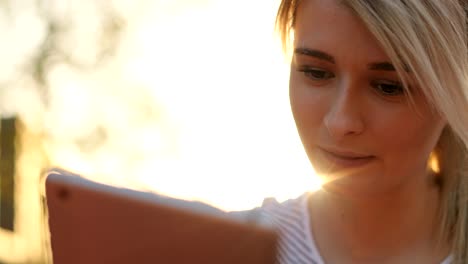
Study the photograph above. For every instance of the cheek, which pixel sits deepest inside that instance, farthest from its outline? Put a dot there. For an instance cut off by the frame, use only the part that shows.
(407, 139)
(308, 107)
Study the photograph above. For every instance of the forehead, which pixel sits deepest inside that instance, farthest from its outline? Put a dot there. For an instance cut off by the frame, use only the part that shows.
(331, 26)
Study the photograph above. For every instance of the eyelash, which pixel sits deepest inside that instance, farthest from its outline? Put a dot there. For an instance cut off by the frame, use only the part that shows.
(309, 73)
(381, 85)
(396, 87)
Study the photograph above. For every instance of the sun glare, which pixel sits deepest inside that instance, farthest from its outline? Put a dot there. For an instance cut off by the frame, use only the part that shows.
(218, 83)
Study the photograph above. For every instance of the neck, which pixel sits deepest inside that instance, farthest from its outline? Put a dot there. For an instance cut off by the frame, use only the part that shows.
(372, 228)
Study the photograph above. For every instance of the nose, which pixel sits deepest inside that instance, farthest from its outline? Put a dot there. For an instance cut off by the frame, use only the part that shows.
(345, 114)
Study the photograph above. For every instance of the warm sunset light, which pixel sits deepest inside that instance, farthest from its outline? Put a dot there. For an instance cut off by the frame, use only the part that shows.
(434, 163)
(196, 108)
(190, 99)
(187, 98)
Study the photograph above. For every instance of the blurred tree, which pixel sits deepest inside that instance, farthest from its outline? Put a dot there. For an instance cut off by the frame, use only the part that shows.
(37, 36)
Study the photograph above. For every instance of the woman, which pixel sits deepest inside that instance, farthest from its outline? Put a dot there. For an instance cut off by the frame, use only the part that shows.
(377, 88)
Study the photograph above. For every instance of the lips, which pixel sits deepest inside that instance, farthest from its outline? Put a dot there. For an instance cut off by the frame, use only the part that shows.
(343, 158)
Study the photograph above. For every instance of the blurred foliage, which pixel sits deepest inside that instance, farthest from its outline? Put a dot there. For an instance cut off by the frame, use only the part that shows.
(104, 34)
(39, 35)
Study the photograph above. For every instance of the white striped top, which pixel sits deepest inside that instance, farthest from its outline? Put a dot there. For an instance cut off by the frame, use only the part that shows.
(296, 242)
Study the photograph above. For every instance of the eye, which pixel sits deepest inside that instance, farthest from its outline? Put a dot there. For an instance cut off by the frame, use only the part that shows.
(388, 88)
(316, 74)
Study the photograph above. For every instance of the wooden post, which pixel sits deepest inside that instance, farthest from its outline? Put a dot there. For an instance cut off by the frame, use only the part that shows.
(7, 172)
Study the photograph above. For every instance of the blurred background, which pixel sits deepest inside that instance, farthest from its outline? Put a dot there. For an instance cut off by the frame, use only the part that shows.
(187, 98)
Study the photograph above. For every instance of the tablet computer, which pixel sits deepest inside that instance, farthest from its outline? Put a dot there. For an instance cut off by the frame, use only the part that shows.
(91, 223)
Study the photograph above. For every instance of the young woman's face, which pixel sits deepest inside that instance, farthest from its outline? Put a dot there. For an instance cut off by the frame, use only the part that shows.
(356, 125)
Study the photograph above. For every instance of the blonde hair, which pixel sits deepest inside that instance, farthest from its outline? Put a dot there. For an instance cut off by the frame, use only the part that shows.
(428, 39)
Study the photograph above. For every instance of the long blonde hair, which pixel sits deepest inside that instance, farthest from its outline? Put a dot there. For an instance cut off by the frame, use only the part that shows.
(428, 39)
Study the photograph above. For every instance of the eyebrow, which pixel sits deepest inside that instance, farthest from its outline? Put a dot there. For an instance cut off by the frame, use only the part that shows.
(315, 53)
(381, 66)
(378, 66)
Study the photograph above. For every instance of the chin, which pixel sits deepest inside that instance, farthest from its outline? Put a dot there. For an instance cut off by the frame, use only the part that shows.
(349, 182)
